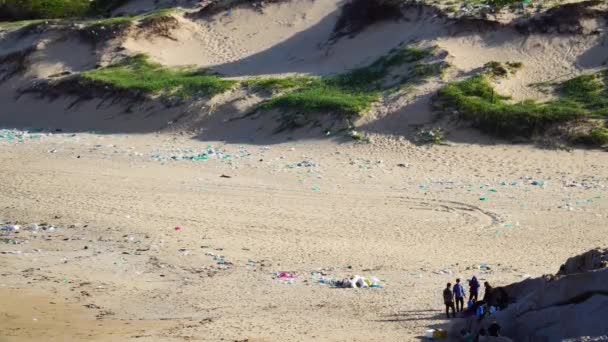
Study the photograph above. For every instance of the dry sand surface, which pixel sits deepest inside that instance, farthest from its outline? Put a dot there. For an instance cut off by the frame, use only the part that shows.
(115, 267)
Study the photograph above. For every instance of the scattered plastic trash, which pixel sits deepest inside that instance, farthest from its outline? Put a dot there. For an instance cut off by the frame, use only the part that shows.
(431, 136)
(483, 198)
(17, 135)
(348, 282)
(31, 227)
(316, 188)
(285, 275)
(219, 259)
(12, 227)
(539, 183)
(179, 228)
(189, 154)
(305, 164)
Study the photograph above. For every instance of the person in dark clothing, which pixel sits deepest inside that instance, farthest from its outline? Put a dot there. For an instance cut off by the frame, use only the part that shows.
(484, 302)
(494, 329)
(459, 295)
(488, 289)
(448, 300)
(473, 289)
(497, 297)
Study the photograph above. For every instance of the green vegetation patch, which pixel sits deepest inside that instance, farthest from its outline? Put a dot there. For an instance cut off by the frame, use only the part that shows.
(350, 94)
(504, 3)
(595, 136)
(13, 25)
(139, 73)
(129, 19)
(324, 99)
(283, 83)
(498, 69)
(598, 136)
(96, 24)
(50, 9)
(43, 9)
(475, 99)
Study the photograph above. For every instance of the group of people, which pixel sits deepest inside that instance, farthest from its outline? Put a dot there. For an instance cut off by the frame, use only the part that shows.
(458, 295)
(493, 299)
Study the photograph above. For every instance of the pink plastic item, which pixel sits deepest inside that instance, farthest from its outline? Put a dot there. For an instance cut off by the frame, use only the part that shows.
(178, 228)
(284, 275)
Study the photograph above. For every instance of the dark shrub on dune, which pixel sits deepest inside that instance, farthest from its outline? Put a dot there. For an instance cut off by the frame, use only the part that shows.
(49, 9)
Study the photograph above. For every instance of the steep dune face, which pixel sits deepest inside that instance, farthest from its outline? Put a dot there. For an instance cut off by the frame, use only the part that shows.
(544, 57)
(287, 37)
(51, 59)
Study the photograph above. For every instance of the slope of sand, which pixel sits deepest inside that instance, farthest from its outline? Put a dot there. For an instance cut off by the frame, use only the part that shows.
(293, 37)
(410, 226)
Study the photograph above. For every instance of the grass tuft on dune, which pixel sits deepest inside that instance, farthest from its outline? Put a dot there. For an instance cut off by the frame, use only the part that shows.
(474, 99)
(350, 94)
(52, 9)
(139, 73)
(128, 19)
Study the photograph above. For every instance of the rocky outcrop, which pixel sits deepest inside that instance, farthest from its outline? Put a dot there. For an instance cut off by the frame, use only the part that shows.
(593, 260)
(572, 305)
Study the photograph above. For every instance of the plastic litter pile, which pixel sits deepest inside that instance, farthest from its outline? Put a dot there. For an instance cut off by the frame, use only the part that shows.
(189, 154)
(304, 163)
(31, 227)
(285, 277)
(13, 135)
(9, 232)
(348, 282)
(219, 259)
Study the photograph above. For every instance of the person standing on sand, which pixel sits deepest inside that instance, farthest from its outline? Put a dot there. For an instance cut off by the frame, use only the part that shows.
(448, 299)
(459, 295)
(487, 292)
(474, 289)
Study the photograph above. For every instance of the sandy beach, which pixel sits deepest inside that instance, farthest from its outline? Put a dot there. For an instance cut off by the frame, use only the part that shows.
(412, 216)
